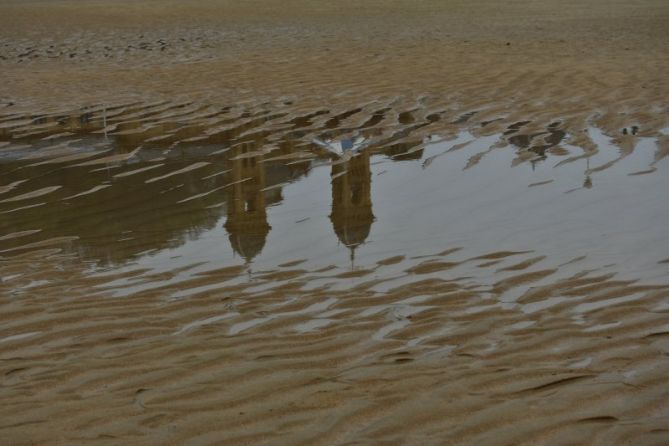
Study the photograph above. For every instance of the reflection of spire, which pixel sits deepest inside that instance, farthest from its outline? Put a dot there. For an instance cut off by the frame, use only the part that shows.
(247, 219)
(352, 201)
(587, 183)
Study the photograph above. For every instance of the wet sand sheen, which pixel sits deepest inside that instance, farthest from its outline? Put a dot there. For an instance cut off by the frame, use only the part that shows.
(318, 249)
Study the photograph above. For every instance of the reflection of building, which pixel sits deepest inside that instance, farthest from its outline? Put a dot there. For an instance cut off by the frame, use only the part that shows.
(247, 219)
(404, 151)
(352, 201)
(527, 142)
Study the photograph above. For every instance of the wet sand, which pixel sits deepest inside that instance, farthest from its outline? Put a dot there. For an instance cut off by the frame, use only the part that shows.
(370, 222)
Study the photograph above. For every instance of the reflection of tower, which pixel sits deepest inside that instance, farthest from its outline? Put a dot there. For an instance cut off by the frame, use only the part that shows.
(247, 219)
(352, 201)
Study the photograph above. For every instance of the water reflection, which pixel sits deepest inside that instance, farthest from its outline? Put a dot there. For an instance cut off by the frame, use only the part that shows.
(184, 181)
(587, 183)
(246, 215)
(249, 194)
(152, 210)
(352, 215)
(535, 144)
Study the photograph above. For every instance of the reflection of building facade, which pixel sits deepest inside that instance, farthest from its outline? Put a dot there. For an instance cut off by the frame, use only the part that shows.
(247, 218)
(351, 215)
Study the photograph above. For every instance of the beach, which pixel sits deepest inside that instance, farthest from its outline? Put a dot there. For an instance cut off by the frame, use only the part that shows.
(352, 222)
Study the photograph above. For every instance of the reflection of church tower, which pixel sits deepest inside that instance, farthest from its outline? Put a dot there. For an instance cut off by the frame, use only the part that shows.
(247, 220)
(352, 201)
